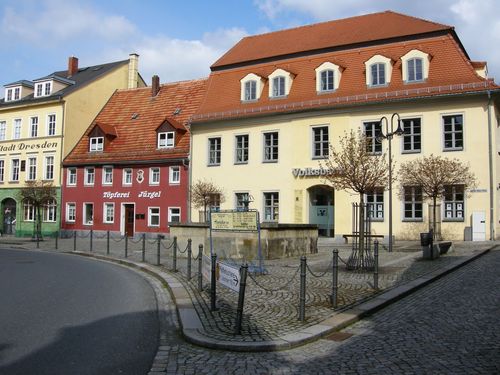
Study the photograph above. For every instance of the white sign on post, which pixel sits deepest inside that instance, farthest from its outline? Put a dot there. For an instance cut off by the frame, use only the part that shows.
(206, 266)
(228, 276)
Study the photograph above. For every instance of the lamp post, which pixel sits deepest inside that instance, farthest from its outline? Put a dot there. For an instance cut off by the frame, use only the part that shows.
(388, 135)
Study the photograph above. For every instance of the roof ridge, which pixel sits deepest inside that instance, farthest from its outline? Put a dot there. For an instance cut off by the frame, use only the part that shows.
(419, 19)
(164, 84)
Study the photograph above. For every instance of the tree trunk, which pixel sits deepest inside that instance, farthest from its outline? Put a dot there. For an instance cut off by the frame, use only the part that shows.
(434, 218)
(38, 223)
(361, 227)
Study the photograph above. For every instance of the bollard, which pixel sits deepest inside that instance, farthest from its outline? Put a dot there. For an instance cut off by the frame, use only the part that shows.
(335, 278)
(241, 299)
(302, 298)
(158, 250)
(174, 257)
(57, 239)
(74, 240)
(144, 247)
(189, 251)
(200, 265)
(107, 242)
(375, 268)
(126, 245)
(91, 239)
(213, 283)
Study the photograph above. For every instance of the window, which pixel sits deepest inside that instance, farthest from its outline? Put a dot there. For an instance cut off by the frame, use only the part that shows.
(174, 215)
(453, 132)
(415, 72)
(89, 176)
(49, 168)
(154, 176)
(3, 128)
(153, 217)
(17, 93)
(327, 81)
(17, 129)
(96, 144)
(214, 151)
(242, 201)
(39, 89)
(412, 203)
(47, 88)
(271, 147)
(34, 126)
(375, 205)
(109, 213)
(71, 177)
(14, 172)
(174, 175)
(127, 176)
(214, 202)
(2, 170)
(31, 169)
(50, 211)
(43, 89)
(412, 135)
(29, 211)
(70, 212)
(51, 125)
(241, 156)
(107, 175)
(372, 132)
(454, 202)
(320, 142)
(378, 74)
(278, 86)
(271, 206)
(166, 140)
(88, 213)
(9, 95)
(251, 90)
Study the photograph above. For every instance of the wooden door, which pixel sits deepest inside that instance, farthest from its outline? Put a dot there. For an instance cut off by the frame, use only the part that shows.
(129, 220)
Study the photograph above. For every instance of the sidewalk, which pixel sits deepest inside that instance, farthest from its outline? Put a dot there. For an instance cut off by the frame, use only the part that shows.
(270, 320)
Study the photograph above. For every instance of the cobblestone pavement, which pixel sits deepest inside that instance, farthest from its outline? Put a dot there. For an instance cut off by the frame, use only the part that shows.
(451, 326)
(271, 303)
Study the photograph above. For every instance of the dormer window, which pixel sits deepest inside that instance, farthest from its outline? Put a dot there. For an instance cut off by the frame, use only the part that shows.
(9, 95)
(280, 83)
(327, 77)
(378, 71)
(43, 89)
(278, 86)
(12, 93)
(415, 66)
(251, 87)
(96, 144)
(166, 139)
(378, 74)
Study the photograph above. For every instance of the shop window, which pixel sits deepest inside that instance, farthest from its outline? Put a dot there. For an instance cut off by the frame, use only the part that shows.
(454, 203)
(109, 213)
(153, 216)
(50, 211)
(375, 204)
(88, 213)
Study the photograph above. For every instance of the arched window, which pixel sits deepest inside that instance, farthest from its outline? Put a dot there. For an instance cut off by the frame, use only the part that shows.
(251, 87)
(327, 77)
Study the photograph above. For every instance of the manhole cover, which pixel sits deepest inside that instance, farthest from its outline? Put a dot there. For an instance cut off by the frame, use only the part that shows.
(339, 336)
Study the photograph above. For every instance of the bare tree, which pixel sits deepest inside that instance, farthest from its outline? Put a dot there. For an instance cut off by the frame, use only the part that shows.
(357, 169)
(38, 193)
(433, 174)
(204, 193)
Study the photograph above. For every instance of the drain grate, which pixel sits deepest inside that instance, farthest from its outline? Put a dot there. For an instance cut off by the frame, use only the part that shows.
(339, 336)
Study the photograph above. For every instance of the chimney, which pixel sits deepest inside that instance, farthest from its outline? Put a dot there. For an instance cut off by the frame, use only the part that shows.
(133, 66)
(155, 85)
(72, 66)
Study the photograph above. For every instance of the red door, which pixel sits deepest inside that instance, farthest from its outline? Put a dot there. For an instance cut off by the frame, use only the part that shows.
(129, 220)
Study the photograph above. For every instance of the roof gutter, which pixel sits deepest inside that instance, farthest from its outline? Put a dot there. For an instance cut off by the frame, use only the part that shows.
(124, 162)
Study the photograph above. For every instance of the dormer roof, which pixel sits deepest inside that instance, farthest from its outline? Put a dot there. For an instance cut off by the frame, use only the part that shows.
(22, 82)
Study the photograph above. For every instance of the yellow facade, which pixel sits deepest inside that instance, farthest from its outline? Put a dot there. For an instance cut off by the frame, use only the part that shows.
(295, 152)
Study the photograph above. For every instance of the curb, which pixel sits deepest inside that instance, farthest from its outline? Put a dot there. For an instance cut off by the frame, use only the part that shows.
(193, 331)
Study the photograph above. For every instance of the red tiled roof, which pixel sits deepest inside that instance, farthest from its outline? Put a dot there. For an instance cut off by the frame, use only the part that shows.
(135, 116)
(450, 72)
(327, 35)
(107, 129)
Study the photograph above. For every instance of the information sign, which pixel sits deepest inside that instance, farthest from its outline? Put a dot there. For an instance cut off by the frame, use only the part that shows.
(228, 276)
(234, 220)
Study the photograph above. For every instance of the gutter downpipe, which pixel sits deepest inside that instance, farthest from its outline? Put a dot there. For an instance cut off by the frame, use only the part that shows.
(490, 162)
(190, 167)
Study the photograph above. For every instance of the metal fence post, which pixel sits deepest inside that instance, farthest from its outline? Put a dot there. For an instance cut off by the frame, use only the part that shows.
(189, 254)
(107, 242)
(213, 283)
(158, 250)
(375, 268)
(74, 240)
(126, 245)
(144, 247)
(174, 258)
(200, 266)
(335, 278)
(37, 241)
(91, 239)
(57, 239)
(302, 297)
(241, 299)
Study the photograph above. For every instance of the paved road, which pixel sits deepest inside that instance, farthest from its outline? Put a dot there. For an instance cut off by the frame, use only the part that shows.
(450, 327)
(63, 314)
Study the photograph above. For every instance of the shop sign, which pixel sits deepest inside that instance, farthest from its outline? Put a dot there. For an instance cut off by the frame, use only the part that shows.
(142, 194)
(312, 172)
(234, 220)
(21, 146)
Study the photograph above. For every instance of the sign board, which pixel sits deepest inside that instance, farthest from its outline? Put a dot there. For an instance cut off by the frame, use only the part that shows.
(228, 276)
(234, 220)
(206, 267)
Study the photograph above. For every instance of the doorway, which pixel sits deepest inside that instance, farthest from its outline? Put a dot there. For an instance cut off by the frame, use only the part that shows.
(321, 203)
(9, 216)
(129, 219)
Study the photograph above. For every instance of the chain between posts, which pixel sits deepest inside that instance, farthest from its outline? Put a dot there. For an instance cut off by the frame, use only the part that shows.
(322, 274)
(276, 289)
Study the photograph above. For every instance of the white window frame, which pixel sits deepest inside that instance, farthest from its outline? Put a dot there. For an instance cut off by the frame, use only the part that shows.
(456, 207)
(70, 207)
(96, 144)
(154, 176)
(9, 94)
(274, 208)
(105, 175)
(324, 144)
(86, 220)
(47, 89)
(105, 218)
(287, 83)
(151, 215)
(28, 211)
(38, 92)
(127, 172)
(171, 214)
(51, 124)
(415, 54)
(376, 60)
(174, 171)
(15, 170)
(34, 126)
(166, 139)
(49, 212)
(87, 173)
(3, 130)
(259, 86)
(337, 75)
(268, 157)
(49, 168)
(17, 125)
(70, 181)
(17, 93)
(31, 168)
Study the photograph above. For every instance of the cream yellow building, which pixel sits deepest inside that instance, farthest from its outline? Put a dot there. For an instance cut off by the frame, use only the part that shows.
(273, 108)
(40, 122)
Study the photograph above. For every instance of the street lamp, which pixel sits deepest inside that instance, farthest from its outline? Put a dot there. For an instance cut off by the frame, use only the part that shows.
(388, 135)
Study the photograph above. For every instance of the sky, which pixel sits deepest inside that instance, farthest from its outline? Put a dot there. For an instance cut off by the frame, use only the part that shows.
(179, 40)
